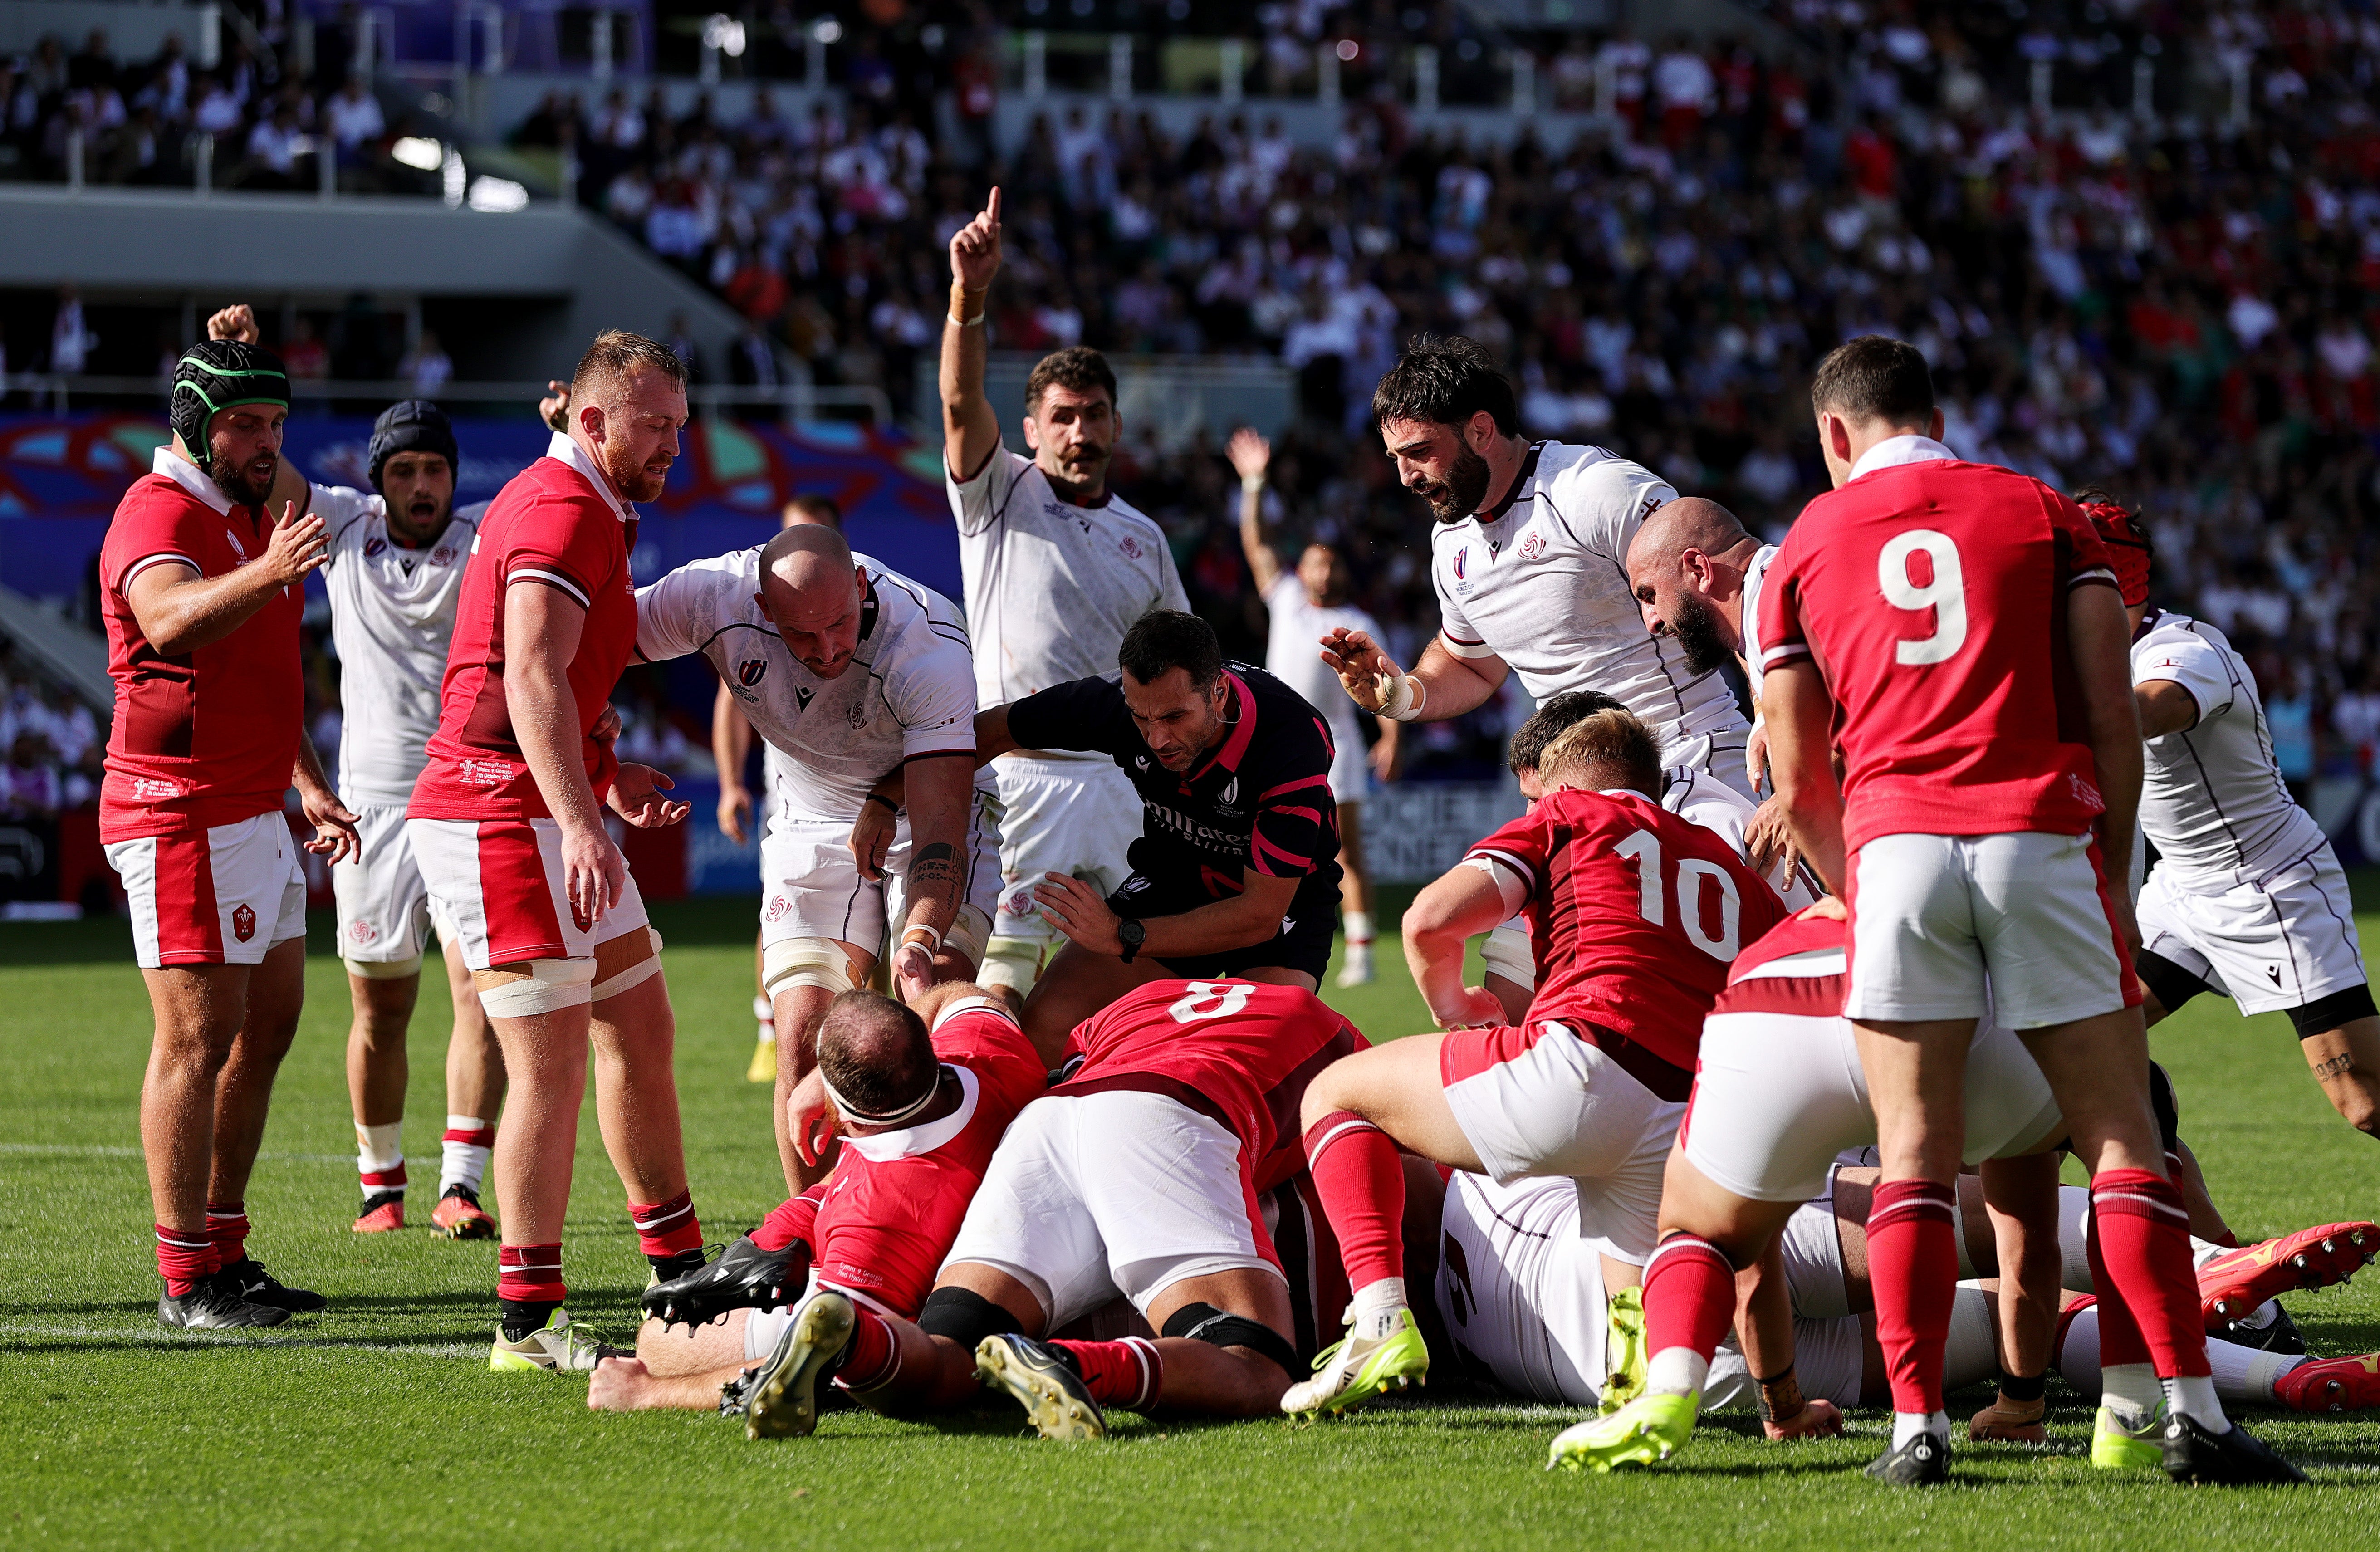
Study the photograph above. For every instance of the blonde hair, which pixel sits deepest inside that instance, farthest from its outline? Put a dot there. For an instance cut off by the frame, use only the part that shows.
(1603, 749)
(615, 357)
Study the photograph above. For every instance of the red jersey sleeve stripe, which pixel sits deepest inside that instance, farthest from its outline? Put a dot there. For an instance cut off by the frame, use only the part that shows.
(2097, 577)
(549, 578)
(1301, 783)
(163, 557)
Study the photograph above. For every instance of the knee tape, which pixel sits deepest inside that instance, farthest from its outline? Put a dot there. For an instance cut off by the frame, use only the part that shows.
(1014, 962)
(804, 962)
(537, 986)
(384, 969)
(1206, 1324)
(641, 970)
(1508, 953)
(965, 1317)
(970, 933)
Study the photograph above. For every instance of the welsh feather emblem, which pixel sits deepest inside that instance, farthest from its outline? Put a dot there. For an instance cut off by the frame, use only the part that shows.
(243, 922)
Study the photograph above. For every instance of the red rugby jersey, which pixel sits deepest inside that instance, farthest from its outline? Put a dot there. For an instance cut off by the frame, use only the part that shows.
(555, 525)
(894, 1206)
(1932, 597)
(207, 737)
(1236, 1052)
(1634, 914)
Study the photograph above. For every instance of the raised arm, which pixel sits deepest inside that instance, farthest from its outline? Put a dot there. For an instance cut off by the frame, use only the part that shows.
(1252, 455)
(970, 431)
(1441, 685)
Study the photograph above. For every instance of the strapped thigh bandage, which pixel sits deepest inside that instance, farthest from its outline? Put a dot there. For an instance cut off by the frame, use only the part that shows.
(804, 962)
(634, 975)
(537, 986)
(384, 969)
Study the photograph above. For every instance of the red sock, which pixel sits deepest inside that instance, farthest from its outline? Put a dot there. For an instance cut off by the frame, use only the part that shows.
(668, 1228)
(2141, 1236)
(2119, 1334)
(182, 1259)
(1362, 1185)
(1126, 1373)
(1913, 1256)
(377, 1181)
(874, 1355)
(794, 1219)
(227, 1226)
(529, 1274)
(1689, 1296)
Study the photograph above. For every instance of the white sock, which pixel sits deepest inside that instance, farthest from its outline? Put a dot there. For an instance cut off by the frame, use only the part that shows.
(767, 1018)
(2193, 1395)
(462, 1164)
(1676, 1370)
(1359, 927)
(378, 1148)
(1376, 1308)
(2247, 1374)
(2130, 1391)
(1907, 1426)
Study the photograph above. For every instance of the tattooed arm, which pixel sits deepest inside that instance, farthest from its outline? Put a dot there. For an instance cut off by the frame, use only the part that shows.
(941, 800)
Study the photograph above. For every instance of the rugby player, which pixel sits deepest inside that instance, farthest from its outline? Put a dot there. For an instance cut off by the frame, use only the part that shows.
(1687, 790)
(2247, 898)
(848, 670)
(921, 1097)
(1237, 872)
(393, 569)
(731, 747)
(506, 825)
(1057, 567)
(203, 588)
(1528, 556)
(1636, 914)
(1305, 605)
(1954, 630)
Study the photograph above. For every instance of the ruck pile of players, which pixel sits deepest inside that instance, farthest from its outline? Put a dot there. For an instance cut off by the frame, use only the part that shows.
(1782, 1022)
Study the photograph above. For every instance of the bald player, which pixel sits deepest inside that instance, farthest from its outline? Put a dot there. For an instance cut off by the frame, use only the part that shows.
(1696, 576)
(849, 671)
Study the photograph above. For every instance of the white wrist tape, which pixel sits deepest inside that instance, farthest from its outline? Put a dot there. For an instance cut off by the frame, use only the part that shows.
(931, 939)
(1402, 697)
(539, 986)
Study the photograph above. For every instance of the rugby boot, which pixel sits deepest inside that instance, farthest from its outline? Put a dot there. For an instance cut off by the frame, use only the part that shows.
(458, 1215)
(1355, 1369)
(744, 1277)
(1647, 1430)
(261, 1287)
(216, 1304)
(557, 1347)
(383, 1213)
(1053, 1396)
(2331, 1384)
(1922, 1462)
(2234, 1458)
(782, 1401)
(2233, 1284)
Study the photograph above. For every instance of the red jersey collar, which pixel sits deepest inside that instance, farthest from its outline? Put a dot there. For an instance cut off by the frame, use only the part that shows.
(1243, 733)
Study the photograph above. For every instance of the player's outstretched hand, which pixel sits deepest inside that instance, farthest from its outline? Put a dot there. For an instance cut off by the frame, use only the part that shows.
(336, 838)
(1080, 912)
(237, 322)
(1369, 675)
(1250, 454)
(810, 1120)
(594, 874)
(555, 408)
(297, 545)
(1818, 1418)
(1769, 838)
(975, 247)
(1478, 1010)
(636, 797)
(871, 837)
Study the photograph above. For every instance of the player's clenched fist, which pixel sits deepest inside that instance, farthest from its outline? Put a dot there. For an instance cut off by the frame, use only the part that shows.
(297, 545)
(974, 249)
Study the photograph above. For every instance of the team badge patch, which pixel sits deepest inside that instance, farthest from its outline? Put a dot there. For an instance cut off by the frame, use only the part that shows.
(778, 907)
(442, 556)
(362, 932)
(749, 672)
(1131, 548)
(1461, 559)
(1532, 546)
(243, 922)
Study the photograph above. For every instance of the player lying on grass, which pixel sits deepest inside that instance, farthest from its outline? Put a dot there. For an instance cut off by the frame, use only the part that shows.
(1520, 1298)
(1779, 1096)
(1688, 791)
(922, 1096)
(1636, 914)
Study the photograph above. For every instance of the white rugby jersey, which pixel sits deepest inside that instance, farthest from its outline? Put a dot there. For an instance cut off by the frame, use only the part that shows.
(1051, 586)
(392, 617)
(1541, 581)
(1755, 574)
(2214, 800)
(907, 692)
(1699, 798)
(1293, 649)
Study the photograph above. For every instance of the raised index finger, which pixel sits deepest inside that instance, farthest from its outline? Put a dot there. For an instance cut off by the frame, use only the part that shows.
(991, 208)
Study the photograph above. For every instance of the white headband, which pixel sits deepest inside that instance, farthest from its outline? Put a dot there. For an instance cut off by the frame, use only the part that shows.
(853, 1112)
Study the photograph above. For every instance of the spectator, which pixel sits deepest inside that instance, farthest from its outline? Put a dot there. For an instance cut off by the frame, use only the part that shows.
(425, 368)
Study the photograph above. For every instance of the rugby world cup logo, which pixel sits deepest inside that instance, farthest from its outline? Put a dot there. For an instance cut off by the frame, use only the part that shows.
(1461, 559)
(751, 671)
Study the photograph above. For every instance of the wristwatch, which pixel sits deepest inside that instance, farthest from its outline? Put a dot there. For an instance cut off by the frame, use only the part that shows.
(1130, 932)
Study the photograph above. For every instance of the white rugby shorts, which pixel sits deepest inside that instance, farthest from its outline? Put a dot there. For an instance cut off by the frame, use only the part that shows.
(2281, 942)
(811, 885)
(385, 914)
(501, 884)
(1123, 1192)
(1562, 1107)
(1778, 1096)
(226, 896)
(1075, 816)
(1351, 764)
(1952, 927)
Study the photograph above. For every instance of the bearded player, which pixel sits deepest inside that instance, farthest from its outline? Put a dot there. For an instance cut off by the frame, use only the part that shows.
(507, 824)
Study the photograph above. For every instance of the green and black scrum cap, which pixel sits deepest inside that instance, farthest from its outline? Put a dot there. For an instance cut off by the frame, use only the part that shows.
(216, 375)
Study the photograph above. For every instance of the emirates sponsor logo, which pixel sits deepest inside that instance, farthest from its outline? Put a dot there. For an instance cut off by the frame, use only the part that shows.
(243, 922)
(488, 772)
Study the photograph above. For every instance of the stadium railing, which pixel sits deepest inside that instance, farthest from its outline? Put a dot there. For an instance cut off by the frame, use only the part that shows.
(798, 401)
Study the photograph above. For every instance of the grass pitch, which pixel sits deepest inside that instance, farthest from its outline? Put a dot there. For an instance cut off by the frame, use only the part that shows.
(377, 1424)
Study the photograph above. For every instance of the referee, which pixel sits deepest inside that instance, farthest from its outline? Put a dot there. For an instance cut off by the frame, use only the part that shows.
(1236, 869)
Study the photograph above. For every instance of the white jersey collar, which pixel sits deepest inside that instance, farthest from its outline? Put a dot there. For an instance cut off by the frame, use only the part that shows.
(563, 449)
(883, 1147)
(1892, 450)
(185, 474)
